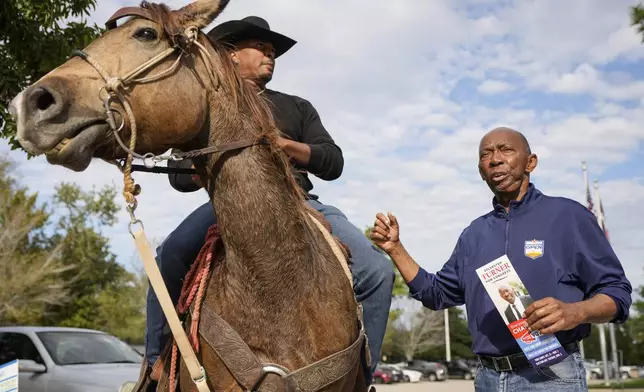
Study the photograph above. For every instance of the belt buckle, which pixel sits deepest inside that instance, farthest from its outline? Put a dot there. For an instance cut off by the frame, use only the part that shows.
(498, 364)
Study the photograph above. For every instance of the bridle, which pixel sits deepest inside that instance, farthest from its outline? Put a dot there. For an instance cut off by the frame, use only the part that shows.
(114, 92)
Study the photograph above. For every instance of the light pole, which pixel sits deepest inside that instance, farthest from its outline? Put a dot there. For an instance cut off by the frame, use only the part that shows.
(448, 353)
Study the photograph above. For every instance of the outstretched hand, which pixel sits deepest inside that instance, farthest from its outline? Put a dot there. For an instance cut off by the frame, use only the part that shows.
(386, 232)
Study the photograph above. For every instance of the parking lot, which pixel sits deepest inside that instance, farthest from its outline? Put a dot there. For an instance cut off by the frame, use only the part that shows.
(449, 386)
(427, 386)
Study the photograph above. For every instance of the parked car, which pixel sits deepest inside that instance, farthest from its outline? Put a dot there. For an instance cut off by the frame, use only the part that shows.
(459, 369)
(631, 372)
(433, 371)
(396, 374)
(382, 376)
(55, 359)
(409, 375)
(593, 372)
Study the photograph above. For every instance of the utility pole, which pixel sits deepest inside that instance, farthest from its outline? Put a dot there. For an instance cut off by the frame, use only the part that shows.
(448, 353)
(613, 349)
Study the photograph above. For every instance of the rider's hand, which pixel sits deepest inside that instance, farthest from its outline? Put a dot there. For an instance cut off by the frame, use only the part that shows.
(385, 232)
(196, 178)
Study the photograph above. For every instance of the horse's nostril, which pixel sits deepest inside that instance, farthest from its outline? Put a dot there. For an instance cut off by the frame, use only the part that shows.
(44, 100)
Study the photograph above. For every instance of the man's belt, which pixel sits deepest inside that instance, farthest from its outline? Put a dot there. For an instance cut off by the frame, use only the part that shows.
(517, 361)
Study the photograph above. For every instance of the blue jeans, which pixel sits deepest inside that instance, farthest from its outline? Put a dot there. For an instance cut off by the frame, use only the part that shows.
(373, 275)
(568, 375)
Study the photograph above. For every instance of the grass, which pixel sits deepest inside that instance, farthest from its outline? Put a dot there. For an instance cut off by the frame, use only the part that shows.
(626, 384)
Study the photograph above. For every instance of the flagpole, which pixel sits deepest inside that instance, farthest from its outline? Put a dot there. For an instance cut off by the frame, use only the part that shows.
(585, 173)
(448, 351)
(600, 327)
(611, 326)
(584, 170)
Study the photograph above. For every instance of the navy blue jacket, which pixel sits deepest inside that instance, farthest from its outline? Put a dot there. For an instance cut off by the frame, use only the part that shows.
(577, 263)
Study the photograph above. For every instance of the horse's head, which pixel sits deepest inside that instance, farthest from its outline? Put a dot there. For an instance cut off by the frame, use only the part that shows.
(64, 113)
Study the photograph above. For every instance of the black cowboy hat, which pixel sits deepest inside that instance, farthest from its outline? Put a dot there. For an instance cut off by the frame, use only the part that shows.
(251, 27)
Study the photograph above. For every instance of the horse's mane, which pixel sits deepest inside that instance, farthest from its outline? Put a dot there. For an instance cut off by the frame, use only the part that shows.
(244, 95)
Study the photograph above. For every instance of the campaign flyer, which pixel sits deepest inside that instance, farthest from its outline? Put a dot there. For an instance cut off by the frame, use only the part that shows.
(9, 376)
(511, 298)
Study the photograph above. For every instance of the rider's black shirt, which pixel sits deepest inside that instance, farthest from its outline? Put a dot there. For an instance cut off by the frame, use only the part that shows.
(298, 120)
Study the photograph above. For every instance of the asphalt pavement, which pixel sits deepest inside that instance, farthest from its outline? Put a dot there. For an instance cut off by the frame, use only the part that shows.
(427, 386)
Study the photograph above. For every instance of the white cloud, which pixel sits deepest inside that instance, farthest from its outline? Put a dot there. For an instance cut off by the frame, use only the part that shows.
(382, 76)
(623, 42)
(583, 79)
(491, 87)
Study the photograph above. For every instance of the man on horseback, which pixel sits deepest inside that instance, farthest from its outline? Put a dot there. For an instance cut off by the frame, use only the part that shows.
(254, 47)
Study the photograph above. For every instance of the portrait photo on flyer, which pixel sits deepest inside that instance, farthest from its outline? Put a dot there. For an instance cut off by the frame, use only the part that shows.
(511, 298)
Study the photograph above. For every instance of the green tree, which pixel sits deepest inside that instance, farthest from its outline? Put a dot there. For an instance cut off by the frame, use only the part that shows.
(632, 333)
(118, 309)
(637, 18)
(57, 266)
(460, 339)
(32, 275)
(35, 37)
(107, 296)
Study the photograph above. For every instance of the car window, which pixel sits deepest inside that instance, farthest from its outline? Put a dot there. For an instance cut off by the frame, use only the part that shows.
(17, 346)
(75, 348)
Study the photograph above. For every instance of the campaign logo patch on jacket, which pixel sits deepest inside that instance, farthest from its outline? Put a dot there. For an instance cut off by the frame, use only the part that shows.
(533, 249)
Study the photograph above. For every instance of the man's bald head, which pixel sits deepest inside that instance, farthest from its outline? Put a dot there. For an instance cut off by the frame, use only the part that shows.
(505, 163)
(513, 131)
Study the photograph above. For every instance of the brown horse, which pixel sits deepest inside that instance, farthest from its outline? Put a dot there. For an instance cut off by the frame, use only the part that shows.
(279, 285)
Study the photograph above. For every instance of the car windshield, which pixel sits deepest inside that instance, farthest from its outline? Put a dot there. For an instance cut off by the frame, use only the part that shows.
(76, 348)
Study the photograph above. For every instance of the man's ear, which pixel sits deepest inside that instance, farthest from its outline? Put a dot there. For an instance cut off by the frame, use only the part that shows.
(233, 56)
(532, 163)
(481, 173)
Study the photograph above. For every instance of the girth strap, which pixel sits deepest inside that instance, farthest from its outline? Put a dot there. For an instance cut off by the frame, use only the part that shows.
(246, 368)
(241, 362)
(328, 370)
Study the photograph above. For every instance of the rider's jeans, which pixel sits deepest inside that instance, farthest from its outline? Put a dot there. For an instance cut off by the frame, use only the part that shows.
(373, 274)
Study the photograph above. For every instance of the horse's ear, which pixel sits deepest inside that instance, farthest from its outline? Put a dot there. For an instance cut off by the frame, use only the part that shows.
(201, 12)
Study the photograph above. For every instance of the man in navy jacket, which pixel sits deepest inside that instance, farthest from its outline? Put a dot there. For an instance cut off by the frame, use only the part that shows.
(576, 280)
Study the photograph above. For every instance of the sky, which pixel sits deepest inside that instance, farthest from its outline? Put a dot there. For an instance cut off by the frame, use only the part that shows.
(408, 88)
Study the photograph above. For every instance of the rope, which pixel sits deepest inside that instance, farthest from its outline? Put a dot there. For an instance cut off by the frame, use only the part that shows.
(114, 86)
(192, 292)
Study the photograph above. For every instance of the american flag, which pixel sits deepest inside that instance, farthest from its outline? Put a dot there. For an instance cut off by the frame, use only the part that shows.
(589, 199)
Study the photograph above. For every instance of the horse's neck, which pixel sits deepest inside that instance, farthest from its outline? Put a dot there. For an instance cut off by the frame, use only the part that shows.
(261, 219)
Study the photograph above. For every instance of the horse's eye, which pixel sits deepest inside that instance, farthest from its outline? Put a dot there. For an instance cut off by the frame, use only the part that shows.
(145, 34)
